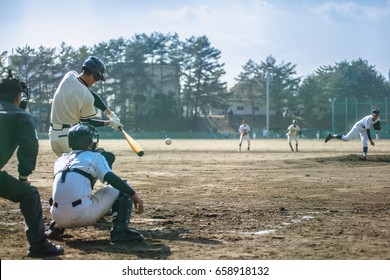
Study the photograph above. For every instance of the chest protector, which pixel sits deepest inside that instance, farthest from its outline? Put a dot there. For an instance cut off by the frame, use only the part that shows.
(68, 169)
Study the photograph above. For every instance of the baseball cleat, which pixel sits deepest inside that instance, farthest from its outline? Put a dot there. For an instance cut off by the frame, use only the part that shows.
(45, 249)
(328, 137)
(128, 235)
(53, 232)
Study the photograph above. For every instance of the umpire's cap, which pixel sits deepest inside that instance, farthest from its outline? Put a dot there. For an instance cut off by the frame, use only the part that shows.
(81, 135)
(375, 112)
(96, 66)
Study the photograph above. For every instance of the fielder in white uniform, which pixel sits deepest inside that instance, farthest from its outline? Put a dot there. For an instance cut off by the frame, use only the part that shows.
(73, 102)
(361, 128)
(244, 130)
(75, 204)
(293, 132)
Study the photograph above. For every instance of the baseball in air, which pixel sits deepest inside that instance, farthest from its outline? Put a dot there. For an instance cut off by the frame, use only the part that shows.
(168, 141)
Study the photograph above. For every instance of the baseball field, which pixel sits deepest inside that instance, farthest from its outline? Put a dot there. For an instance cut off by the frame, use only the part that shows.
(205, 200)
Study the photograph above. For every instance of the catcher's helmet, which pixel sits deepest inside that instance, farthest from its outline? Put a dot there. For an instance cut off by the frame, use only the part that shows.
(81, 135)
(375, 111)
(96, 66)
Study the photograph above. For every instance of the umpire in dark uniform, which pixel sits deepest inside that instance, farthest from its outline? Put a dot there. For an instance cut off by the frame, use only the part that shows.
(18, 131)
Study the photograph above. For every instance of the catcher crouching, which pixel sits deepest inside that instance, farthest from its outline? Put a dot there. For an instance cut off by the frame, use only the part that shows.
(74, 203)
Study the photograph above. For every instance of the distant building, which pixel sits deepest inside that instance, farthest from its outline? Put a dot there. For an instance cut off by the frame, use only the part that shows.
(242, 108)
(162, 79)
(158, 80)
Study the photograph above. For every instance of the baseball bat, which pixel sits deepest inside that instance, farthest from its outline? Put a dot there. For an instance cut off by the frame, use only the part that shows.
(133, 144)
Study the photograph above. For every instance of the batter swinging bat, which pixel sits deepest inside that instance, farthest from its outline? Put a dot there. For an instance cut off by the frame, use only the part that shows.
(133, 144)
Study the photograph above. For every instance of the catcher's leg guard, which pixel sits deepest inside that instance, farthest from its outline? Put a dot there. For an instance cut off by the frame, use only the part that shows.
(120, 220)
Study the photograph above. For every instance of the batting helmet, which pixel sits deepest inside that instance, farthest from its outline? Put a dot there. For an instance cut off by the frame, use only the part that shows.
(96, 66)
(375, 111)
(81, 135)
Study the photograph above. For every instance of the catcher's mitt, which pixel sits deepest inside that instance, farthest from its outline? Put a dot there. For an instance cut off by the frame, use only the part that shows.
(377, 125)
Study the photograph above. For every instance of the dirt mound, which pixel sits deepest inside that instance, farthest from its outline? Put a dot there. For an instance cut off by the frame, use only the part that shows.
(379, 158)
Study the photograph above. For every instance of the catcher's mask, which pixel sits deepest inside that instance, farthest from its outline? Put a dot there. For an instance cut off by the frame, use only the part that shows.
(81, 135)
(96, 66)
(25, 96)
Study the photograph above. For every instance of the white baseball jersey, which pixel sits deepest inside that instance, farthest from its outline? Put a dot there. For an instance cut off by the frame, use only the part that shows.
(77, 187)
(292, 133)
(360, 128)
(366, 123)
(244, 130)
(72, 101)
(292, 130)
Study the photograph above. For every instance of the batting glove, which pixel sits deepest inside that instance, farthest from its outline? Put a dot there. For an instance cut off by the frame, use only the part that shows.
(114, 117)
(115, 125)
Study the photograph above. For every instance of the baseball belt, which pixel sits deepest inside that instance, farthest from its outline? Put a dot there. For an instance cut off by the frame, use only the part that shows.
(59, 126)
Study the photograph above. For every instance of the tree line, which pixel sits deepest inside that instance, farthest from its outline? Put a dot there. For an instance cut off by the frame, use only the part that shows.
(309, 98)
(137, 85)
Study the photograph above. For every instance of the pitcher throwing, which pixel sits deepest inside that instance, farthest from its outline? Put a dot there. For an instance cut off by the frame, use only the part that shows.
(362, 128)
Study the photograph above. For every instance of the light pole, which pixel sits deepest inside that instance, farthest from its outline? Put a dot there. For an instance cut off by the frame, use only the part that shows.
(346, 113)
(332, 100)
(267, 77)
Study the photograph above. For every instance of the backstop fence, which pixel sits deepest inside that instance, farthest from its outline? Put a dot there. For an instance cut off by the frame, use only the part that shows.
(347, 111)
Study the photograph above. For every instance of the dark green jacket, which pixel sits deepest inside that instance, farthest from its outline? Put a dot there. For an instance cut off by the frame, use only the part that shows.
(18, 131)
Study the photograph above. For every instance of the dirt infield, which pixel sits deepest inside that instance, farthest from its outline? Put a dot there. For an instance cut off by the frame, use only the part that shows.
(205, 200)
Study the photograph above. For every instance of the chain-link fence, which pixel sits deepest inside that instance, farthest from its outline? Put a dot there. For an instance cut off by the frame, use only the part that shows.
(344, 114)
(347, 111)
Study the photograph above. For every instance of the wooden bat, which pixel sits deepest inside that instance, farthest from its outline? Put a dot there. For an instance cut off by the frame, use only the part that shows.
(133, 144)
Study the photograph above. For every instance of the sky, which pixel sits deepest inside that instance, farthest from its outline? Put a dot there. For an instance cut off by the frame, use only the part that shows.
(307, 33)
